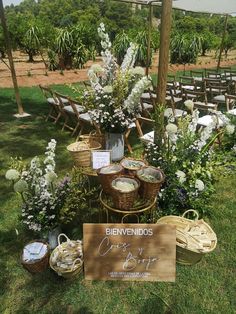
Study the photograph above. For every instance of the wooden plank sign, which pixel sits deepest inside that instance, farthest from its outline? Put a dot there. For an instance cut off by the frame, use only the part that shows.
(142, 252)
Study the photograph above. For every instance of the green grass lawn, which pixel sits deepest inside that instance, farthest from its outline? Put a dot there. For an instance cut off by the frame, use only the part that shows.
(208, 287)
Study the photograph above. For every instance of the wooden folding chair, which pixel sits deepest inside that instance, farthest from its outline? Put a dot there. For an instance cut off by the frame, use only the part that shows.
(54, 111)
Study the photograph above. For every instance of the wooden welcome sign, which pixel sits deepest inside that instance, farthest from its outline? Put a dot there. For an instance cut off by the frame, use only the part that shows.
(143, 252)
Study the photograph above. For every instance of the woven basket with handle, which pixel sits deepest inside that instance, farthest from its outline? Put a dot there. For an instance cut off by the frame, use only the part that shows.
(40, 265)
(59, 254)
(149, 190)
(94, 137)
(122, 199)
(81, 152)
(107, 174)
(189, 247)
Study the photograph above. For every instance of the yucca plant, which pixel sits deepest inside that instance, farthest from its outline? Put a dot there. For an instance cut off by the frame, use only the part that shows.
(120, 46)
(185, 48)
(65, 48)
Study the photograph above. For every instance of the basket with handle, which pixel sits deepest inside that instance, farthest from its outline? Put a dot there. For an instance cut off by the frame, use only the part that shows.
(38, 265)
(107, 174)
(124, 199)
(131, 165)
(81, 152)
(71, 250)
(151, 179)
(94, 136)
(194, 238)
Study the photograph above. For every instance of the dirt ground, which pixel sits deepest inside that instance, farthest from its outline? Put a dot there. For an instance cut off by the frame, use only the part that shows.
(32, 74)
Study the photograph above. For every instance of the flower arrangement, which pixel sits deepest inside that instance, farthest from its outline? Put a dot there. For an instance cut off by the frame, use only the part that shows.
(42, 196)
(185, 156)
(114, 100)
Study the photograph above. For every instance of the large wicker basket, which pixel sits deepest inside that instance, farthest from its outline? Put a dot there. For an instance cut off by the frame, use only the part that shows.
(122, 199)
(40, 265)
(58, 252)
(94, 137)
(132, 165)
(188, 249)
(107, 174)
(149, 190)
(81, 152)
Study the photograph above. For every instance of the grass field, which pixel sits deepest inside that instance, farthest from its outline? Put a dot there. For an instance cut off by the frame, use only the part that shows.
(208, 287)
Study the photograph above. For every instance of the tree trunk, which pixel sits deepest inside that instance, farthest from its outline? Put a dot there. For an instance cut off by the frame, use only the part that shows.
(31, 56)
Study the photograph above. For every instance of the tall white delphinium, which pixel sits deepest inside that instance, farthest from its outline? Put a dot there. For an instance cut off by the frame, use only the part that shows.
(129, 59)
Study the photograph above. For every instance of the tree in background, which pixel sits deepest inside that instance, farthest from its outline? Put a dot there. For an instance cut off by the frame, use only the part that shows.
(184, 48)
(2, 44)
(208, 42)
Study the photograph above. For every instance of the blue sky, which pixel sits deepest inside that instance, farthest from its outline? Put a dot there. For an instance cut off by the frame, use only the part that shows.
(8, 2)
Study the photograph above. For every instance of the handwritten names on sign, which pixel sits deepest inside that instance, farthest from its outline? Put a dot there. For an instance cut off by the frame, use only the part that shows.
(142, 252)
(101, 159)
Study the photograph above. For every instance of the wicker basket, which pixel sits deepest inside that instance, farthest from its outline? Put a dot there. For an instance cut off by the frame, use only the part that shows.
(188, 249)
(59, 251)
(149, 190)
(131, 165)
(40, 265)
(81, 152)
(106, 177)
(122, 199)
(94, 137)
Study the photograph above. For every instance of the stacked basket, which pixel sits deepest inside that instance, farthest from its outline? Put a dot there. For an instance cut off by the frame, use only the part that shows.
(124, 181)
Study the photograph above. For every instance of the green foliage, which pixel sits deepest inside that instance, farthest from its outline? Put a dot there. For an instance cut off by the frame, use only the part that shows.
(120, 46)
(184, 48)
(208, 41)
(78, 199)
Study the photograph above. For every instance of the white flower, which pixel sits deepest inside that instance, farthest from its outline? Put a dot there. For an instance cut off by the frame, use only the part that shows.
(137, 71)
(181, 176)
(108, 89)
(12, 174)
(199, 185)
(189, 104)
(171, 128)
(129, 58)
(97, 68)
(21, 186)
(50, 177)
(230, 128)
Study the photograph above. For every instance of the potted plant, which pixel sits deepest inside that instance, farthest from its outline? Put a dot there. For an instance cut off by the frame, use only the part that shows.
(42, 195)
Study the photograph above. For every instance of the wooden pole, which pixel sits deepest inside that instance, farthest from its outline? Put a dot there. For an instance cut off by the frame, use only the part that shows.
(222, 40)
(149, 38)
(10, 58)
(166, 18)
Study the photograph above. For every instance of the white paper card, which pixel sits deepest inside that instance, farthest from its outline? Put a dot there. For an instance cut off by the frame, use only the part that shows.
(101, 159)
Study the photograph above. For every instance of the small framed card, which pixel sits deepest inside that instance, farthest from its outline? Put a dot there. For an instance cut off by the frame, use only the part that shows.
(100, 158)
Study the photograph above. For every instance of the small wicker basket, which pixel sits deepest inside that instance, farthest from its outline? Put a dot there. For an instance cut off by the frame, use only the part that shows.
(107, 174)
(123, 199)
(188, 250)
(81, 152)
(59, 252)
(132, 165)
(39, 265)
(148, 189)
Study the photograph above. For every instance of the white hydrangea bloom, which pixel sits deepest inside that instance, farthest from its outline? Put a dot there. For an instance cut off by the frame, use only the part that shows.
(171, 128)
(137, 71)
(21, 186)
(199, 185)
(108, 89)
(12, 174)
(230, 129)
(189, 104)
(181, 176)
